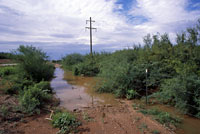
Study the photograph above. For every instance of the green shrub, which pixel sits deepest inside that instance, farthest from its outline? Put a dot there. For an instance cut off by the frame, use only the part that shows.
(33, 98)
(45, 86)
(72, 59)
(34, 63)
(131, 94)
(86, 65)
(87, 68)
(121, 76)
(182, 92)
(65, 121)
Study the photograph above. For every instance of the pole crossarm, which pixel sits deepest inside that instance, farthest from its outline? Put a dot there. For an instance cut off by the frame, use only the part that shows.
(90, 28)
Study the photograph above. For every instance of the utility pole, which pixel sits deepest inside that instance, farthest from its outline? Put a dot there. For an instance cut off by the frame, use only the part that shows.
(91, 28)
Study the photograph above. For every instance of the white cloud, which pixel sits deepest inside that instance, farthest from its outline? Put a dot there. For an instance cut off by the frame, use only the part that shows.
(164, 15)
(48, 17)
(64, 20)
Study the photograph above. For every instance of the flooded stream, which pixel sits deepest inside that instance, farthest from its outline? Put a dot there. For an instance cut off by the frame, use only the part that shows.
(76, 92)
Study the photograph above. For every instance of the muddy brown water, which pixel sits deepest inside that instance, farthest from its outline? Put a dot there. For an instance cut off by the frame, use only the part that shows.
(189, 125)
(76, 92)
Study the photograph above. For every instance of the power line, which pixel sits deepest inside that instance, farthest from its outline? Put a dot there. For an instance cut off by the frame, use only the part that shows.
(91, 28)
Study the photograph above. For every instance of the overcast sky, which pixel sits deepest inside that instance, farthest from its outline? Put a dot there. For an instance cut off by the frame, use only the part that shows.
(58, 26)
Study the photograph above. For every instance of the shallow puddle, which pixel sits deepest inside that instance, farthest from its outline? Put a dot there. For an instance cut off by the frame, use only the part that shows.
(76, 92)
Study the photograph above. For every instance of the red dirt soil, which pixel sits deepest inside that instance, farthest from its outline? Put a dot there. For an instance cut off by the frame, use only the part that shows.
(122, 119)
(37, 124)
(104, 119)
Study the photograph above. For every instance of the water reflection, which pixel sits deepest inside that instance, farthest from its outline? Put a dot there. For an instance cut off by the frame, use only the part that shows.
(76, 92)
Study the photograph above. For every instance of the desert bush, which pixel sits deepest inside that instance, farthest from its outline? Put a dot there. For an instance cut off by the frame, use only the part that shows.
(183, 92)
(45, 86)
(86, 65)
(70, 60)
(87, 68)
(120, 77)
(65, 121)
(33, 98)
(131, 94)
(33, 63)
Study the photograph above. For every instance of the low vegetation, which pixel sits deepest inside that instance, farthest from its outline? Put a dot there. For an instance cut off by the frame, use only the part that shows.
(66, 122)
(34, 97)
(33, 62)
